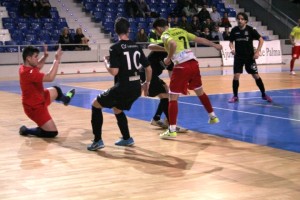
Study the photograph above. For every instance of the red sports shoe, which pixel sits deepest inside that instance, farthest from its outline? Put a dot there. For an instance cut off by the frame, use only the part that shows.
(233, 100)
(267, 98)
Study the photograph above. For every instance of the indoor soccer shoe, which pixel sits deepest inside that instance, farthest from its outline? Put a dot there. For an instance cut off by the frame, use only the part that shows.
(233, 100)
(159, 123)
(292, 73)
(22, 130)
(181, 129)
(95, 145)
(69, 94)
(213, 120)
(122, 142)
(267, 98)
(168, 134)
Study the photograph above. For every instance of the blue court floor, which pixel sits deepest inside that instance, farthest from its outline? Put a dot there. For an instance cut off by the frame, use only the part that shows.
(251, 120)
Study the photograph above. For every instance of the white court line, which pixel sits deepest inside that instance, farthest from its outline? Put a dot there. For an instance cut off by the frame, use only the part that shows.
(250, 113)
(291, 119)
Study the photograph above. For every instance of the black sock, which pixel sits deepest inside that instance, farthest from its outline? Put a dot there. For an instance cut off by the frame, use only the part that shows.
(47, 134)
(97, 121)
(123, 125)
(235, 87)
(38, 132)
(261, 86)
(165, 106)
(159, 111)
(61, 96)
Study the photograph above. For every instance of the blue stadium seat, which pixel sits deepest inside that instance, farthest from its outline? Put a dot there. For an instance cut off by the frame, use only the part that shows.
(7, 20)
(48, 26)
(22, 25)
(30, 37)
(17, 36)
(12, 14)
(2, 49)
(52, 45)
(88, 7)
(232, 13)
(9, 25)
(54, 14)
(97, 16)
(46, 20)
(11, 46)
(35, 26)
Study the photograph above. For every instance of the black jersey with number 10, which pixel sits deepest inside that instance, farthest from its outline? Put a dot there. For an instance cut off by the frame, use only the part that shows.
(129, 58)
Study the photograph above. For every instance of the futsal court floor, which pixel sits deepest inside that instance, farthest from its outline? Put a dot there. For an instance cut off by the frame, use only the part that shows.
(253, 132)
(252, 120)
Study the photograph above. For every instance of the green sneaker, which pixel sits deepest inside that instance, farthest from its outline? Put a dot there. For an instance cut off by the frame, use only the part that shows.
(213, 120)
(168, 135)
(70, 95)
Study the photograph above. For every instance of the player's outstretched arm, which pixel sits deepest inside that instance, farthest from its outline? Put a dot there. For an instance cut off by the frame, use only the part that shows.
(42, 60)
(156, 47)
(206, 42)
(50, 76)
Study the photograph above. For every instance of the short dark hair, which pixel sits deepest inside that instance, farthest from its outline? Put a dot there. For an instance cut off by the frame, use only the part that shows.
(160, 22)
(244, 15)
(29, 51)
(121, 25)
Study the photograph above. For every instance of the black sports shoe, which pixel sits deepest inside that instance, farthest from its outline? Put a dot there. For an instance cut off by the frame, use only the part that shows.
(22, 130)
(69, 96)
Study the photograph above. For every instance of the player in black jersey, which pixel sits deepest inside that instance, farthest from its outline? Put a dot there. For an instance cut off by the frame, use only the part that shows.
(158, 87)
(124, 62)
(245, 54)
(156, 61)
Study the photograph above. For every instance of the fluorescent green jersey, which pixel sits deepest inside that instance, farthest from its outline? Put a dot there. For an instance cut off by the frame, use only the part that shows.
(182, 39)
(296, 34)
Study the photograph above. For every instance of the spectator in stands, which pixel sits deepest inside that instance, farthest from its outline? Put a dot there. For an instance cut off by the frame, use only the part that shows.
(189, 9)
(131, 9)
(203, 14)
(44, 8)
(206, 34)
(196, 26)
(66, 40)
(226, 34)
(184, 24)
(27, 9)
(144, 9)
(142, 37)
(79, 38)
(216, 34)
(208, 24)
(215, 16)
(225, 21)
(170, 21)
(175, 22)
(295, 40)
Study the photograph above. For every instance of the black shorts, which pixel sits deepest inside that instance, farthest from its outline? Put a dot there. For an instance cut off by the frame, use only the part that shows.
(157, 86)
(250, 65)
(119, 97)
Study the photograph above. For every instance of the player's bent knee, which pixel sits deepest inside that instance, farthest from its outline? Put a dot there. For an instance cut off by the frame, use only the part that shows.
(96, 104)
